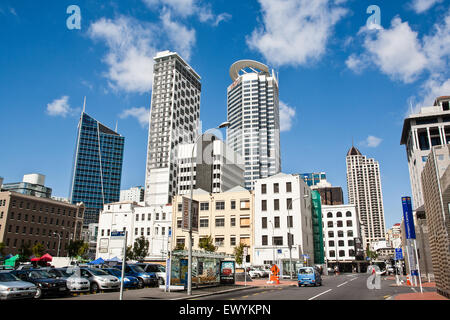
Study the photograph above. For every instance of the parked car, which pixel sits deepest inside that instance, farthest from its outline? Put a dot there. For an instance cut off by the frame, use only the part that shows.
(12, 287)
(128, 281)
(99, 279)
(255, 273)
(308, 276)
(75, 283)
(144, 278)
(263, 272)
(46, 284)
(157, 269)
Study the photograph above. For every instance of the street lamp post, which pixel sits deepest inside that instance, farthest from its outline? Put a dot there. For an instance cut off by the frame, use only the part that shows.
(189, 285)
(59, 241)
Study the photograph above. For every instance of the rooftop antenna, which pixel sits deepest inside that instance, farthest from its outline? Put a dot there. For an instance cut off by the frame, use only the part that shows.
(117, 123)
(84, 104)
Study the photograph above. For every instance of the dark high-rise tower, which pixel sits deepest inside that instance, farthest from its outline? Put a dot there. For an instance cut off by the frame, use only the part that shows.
(97, 168)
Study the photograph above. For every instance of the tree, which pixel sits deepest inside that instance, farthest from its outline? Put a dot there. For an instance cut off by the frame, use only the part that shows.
(140, 248)
(73, 248)
(83, 249)
(238, 252)
(207, 244)
(129, 253)
(25, 252)
(38, 249)
(179, 246)
(371, 254)
(2, 249)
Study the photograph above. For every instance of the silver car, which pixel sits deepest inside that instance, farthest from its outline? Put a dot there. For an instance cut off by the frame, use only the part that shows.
(99, 279)
(12, 287)
(75, 283)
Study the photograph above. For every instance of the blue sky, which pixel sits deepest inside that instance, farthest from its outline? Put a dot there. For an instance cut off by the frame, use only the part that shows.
(339, 80)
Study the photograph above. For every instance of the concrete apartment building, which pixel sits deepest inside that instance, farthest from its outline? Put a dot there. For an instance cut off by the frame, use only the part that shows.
(227, 217)
(217, 168)
(29, 219)
(135, 194)
(254, 116)
(364, 190)
(174, 120)
(340, 228)
(283, 207)
(421, 131)
(436, 194)
(138, 219)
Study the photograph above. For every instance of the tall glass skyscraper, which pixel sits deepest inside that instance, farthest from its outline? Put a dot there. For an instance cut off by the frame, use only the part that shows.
(97, 168)
(254, 116)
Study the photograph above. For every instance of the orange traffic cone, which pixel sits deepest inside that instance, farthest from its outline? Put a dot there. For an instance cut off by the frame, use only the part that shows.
(408, 280)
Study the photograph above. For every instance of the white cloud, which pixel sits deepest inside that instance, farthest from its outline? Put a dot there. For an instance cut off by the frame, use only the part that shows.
(372, 142)
(13, 11)
(141, 114)
(295, 32)
(434, 87)
(182, 38)
(355, 63)
(187, 8)
(421, 6)
(131, 52)
(287, 115)
(60, 107)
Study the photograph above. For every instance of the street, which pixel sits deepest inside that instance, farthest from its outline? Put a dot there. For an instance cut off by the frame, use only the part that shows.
(342, 287)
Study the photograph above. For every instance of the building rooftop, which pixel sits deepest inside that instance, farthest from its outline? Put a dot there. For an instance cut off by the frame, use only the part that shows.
(353, 152)
(253, 65)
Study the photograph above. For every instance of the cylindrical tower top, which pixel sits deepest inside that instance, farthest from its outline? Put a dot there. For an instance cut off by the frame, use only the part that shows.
(253, 65)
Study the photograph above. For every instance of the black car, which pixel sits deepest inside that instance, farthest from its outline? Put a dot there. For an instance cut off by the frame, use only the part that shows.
(46, 283)
(157, 269)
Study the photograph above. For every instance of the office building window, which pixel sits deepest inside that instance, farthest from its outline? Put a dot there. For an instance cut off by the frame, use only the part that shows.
(148, 231)
(339, 214)
(179, 223)
(204, 206)
(220, 222)
(339, 224)
(341, 253)
(149, 216)
(277, 222)
(351, 243)
(220, 205)
(263, 188)
(330, 234)
(232, 241)
(219, 241)
(264, 205)
(349, 223)
(277, 241)
(233, 204)
(348, 214)
(264, 222)
(349, 233)
(264, 240)
(290, 221)
(332, 253)
(341, 243)
(340, 233)
(136, 230)
(137, 217)
(329, 215)
(289, 203)
(288, 187)
(204, 223)
(276, 204)
(233, 221)
(331, 243)
(330, 224)
(276, 188)
(180, 207)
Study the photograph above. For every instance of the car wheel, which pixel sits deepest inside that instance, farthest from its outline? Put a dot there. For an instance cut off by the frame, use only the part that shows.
(38, 294)
(141, 283)
(299, 285)
(94, 288)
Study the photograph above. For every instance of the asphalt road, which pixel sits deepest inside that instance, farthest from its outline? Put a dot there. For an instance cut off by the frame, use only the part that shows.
(342, 287)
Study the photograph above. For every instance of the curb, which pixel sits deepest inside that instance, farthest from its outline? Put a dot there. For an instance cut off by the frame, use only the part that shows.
(214, 293)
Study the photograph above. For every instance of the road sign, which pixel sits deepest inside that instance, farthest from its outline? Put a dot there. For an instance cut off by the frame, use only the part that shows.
(305, 256)
(279, 251)
(185, 209)
(117, 234)
(408, 218)
(245, 251)
(398, 254)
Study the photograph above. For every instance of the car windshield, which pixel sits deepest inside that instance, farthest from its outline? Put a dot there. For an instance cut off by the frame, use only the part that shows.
(114, 272)
(8, 277)
(162, 269)
(137, 269)
(98, 272)
(61, 273)
(305, 271)
(39, 274)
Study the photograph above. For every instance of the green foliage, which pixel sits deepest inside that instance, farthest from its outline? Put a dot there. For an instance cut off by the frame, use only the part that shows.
(73, 248)
(207, 244)
(371, 254)
(180, 246)
(83, 249)
(38, 250)
(140, 248)
(129, 253)
(25, 252)
(238, 252)
(2, 248)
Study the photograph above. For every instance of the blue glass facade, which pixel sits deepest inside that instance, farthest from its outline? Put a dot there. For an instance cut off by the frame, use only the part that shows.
(97, 167)
(312, 179)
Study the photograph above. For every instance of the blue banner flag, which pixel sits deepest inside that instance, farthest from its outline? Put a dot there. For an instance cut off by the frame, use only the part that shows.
(408, 218)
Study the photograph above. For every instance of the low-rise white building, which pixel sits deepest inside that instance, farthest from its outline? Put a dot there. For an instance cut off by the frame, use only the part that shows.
(340, 228)
(282, 207)
(152, 222)
(135, 194)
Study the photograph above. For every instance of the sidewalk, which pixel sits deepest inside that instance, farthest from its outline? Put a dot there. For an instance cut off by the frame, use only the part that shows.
(263, 283)
(420, 296)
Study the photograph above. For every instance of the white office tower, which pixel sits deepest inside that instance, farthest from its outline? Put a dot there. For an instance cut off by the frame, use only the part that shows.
(217, 168)
(421, 131)
(135, 194)
(174, 119)
(253, 113)
(364, 190)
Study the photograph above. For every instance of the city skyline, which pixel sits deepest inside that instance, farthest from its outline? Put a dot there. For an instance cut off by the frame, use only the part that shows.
(316, 132)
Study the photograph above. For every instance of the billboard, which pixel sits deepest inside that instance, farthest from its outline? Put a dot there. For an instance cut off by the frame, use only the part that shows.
(359, 250)
(408, 218)
(227, 272)
(185, 209)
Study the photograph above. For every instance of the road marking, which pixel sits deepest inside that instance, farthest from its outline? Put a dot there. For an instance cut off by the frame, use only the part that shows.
(413, 289)
(256, 293)
(245, 297)
(320, 294)
(342, 284)
(353, 279)
(386, 297)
